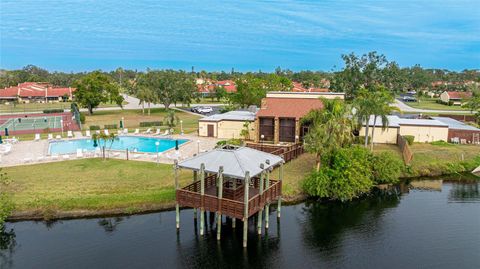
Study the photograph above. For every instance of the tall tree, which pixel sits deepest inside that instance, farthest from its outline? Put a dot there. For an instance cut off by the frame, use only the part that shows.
(94, 89)
(381, 99)
(363, 106)
(330, 129)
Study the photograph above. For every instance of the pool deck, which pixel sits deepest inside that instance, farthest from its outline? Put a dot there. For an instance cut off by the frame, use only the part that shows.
(33, 152)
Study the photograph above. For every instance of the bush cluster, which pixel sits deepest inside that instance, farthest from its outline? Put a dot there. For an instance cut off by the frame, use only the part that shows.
(53, 110)
(150, 123)
(351, 172)
(82, 118)
(410, 139)
(94, 127)
(110, 126)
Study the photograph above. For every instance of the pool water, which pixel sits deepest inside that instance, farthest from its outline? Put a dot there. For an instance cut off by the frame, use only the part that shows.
(132, 143)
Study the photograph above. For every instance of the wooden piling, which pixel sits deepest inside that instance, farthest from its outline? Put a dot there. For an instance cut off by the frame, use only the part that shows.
(267, 205)
(177, 207)
(195, 178)
(234, 223)
(245, 216)
(202, 197)
(280, 178)
(260, 212)
(220, 196)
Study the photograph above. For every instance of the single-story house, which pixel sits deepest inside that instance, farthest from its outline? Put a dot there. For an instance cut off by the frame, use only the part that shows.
(424, 130)
(227, 125)
(457, 98)
(35, 91)
(460, 132)
(278, 120)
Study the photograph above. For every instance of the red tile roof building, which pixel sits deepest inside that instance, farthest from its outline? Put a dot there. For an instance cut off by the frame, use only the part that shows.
(35, 90)
(288, 107)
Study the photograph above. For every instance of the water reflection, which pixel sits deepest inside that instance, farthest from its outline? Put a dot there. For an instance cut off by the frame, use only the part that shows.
(326, 223)
(110, 224)
(465, 192)
(7, 247)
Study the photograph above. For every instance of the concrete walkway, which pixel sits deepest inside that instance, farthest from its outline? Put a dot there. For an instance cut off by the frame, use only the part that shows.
(406, 108)
(32, 152)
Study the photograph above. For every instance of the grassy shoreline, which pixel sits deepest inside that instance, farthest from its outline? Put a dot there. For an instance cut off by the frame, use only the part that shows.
(93, 188)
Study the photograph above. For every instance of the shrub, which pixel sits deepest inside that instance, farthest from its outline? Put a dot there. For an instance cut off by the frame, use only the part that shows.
(346, 175)
(409, 138)
(387, 167)
(110, 126)
(53, 110)
(82, 118)
(94, 127)
(440, 143)
(151, 123)
(233, 141)
(361, 139)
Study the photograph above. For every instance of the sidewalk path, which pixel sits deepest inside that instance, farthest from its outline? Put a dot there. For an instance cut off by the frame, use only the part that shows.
(406, 108)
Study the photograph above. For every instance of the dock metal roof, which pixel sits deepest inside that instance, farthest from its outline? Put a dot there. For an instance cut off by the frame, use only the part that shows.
(235, 161)
(232, 115)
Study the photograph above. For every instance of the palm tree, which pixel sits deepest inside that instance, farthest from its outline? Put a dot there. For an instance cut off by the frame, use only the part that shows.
(145, 95)
(364, 105)
(381, 108)
(330, 129)
(171, 120)
(102, 137)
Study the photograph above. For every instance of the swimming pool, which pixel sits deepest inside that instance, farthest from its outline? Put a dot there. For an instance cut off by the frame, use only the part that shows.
(133, 143)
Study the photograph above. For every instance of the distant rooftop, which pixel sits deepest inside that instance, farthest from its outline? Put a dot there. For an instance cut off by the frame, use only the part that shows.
(232, 115)
(395, 122)
(455, 124)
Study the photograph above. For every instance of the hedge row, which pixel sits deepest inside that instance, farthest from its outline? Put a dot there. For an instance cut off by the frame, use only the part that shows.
(94, 127)
(53, 110)
(150, 123)
(110, 126)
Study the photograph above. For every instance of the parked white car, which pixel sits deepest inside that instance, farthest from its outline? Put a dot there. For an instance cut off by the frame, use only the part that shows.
(205, 109)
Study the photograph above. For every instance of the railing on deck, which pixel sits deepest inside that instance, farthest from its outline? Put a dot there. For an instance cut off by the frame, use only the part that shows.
(288, 153)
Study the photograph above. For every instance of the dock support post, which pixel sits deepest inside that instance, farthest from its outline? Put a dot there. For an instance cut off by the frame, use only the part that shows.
(202, 193)
(267, 205)
(195, 178)
(177, 207)
(280, 178)
(259, 219)
(234, 222)
(245, 213)
(220, 196)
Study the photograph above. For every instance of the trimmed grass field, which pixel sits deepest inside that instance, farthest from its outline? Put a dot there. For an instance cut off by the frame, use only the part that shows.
(430, 103)
(35, 107)
(92, 184)
(134, 117)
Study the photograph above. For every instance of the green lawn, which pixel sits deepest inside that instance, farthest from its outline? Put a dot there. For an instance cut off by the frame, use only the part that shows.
(92, 184)
(36, 107)
(294, 173)
(134, 117)
(432, 160)
(430, 103)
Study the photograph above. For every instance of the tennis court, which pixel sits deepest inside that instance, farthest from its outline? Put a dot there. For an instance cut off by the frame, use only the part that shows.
(32, 123)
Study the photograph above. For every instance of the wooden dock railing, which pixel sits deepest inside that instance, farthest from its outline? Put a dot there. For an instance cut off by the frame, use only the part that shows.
(405, 148)
(288, 153)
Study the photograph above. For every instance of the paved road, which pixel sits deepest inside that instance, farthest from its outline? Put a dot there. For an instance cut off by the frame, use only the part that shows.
(406, 108)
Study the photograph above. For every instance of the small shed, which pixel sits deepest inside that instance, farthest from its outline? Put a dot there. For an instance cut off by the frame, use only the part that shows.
(231, 181)
(227, 125)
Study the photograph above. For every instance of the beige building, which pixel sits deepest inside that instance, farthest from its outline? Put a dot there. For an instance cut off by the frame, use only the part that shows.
(424, 130)
(227, 125)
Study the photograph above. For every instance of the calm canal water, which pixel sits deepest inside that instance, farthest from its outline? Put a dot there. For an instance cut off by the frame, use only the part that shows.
(432, 224)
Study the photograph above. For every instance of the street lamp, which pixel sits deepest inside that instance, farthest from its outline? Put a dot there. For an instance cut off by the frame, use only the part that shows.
(61, 125)
(296, 139)
(261, 141)
(158, 156)
(181, 127)
(198, 146)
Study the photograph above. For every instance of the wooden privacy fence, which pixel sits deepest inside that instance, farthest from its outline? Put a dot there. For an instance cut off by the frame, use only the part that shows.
(288, 153)
(405, 148)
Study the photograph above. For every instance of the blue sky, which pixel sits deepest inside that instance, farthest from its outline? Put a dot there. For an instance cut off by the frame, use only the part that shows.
(80, 35)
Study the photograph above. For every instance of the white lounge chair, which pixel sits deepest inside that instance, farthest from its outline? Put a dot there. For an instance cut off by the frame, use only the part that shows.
(137, 131)
(54, 157)
(66, 157)
(157, 132)
(106, 132)
(79, 153)
(5, 149)
(37, 137)
(50, 137)
(40, 158)
(119, 132)
(58, 137)
(27, 159)
(148, 131)
(166, 133)
(115, 154)
(69, 134)
(87, 133)
(125, 131)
